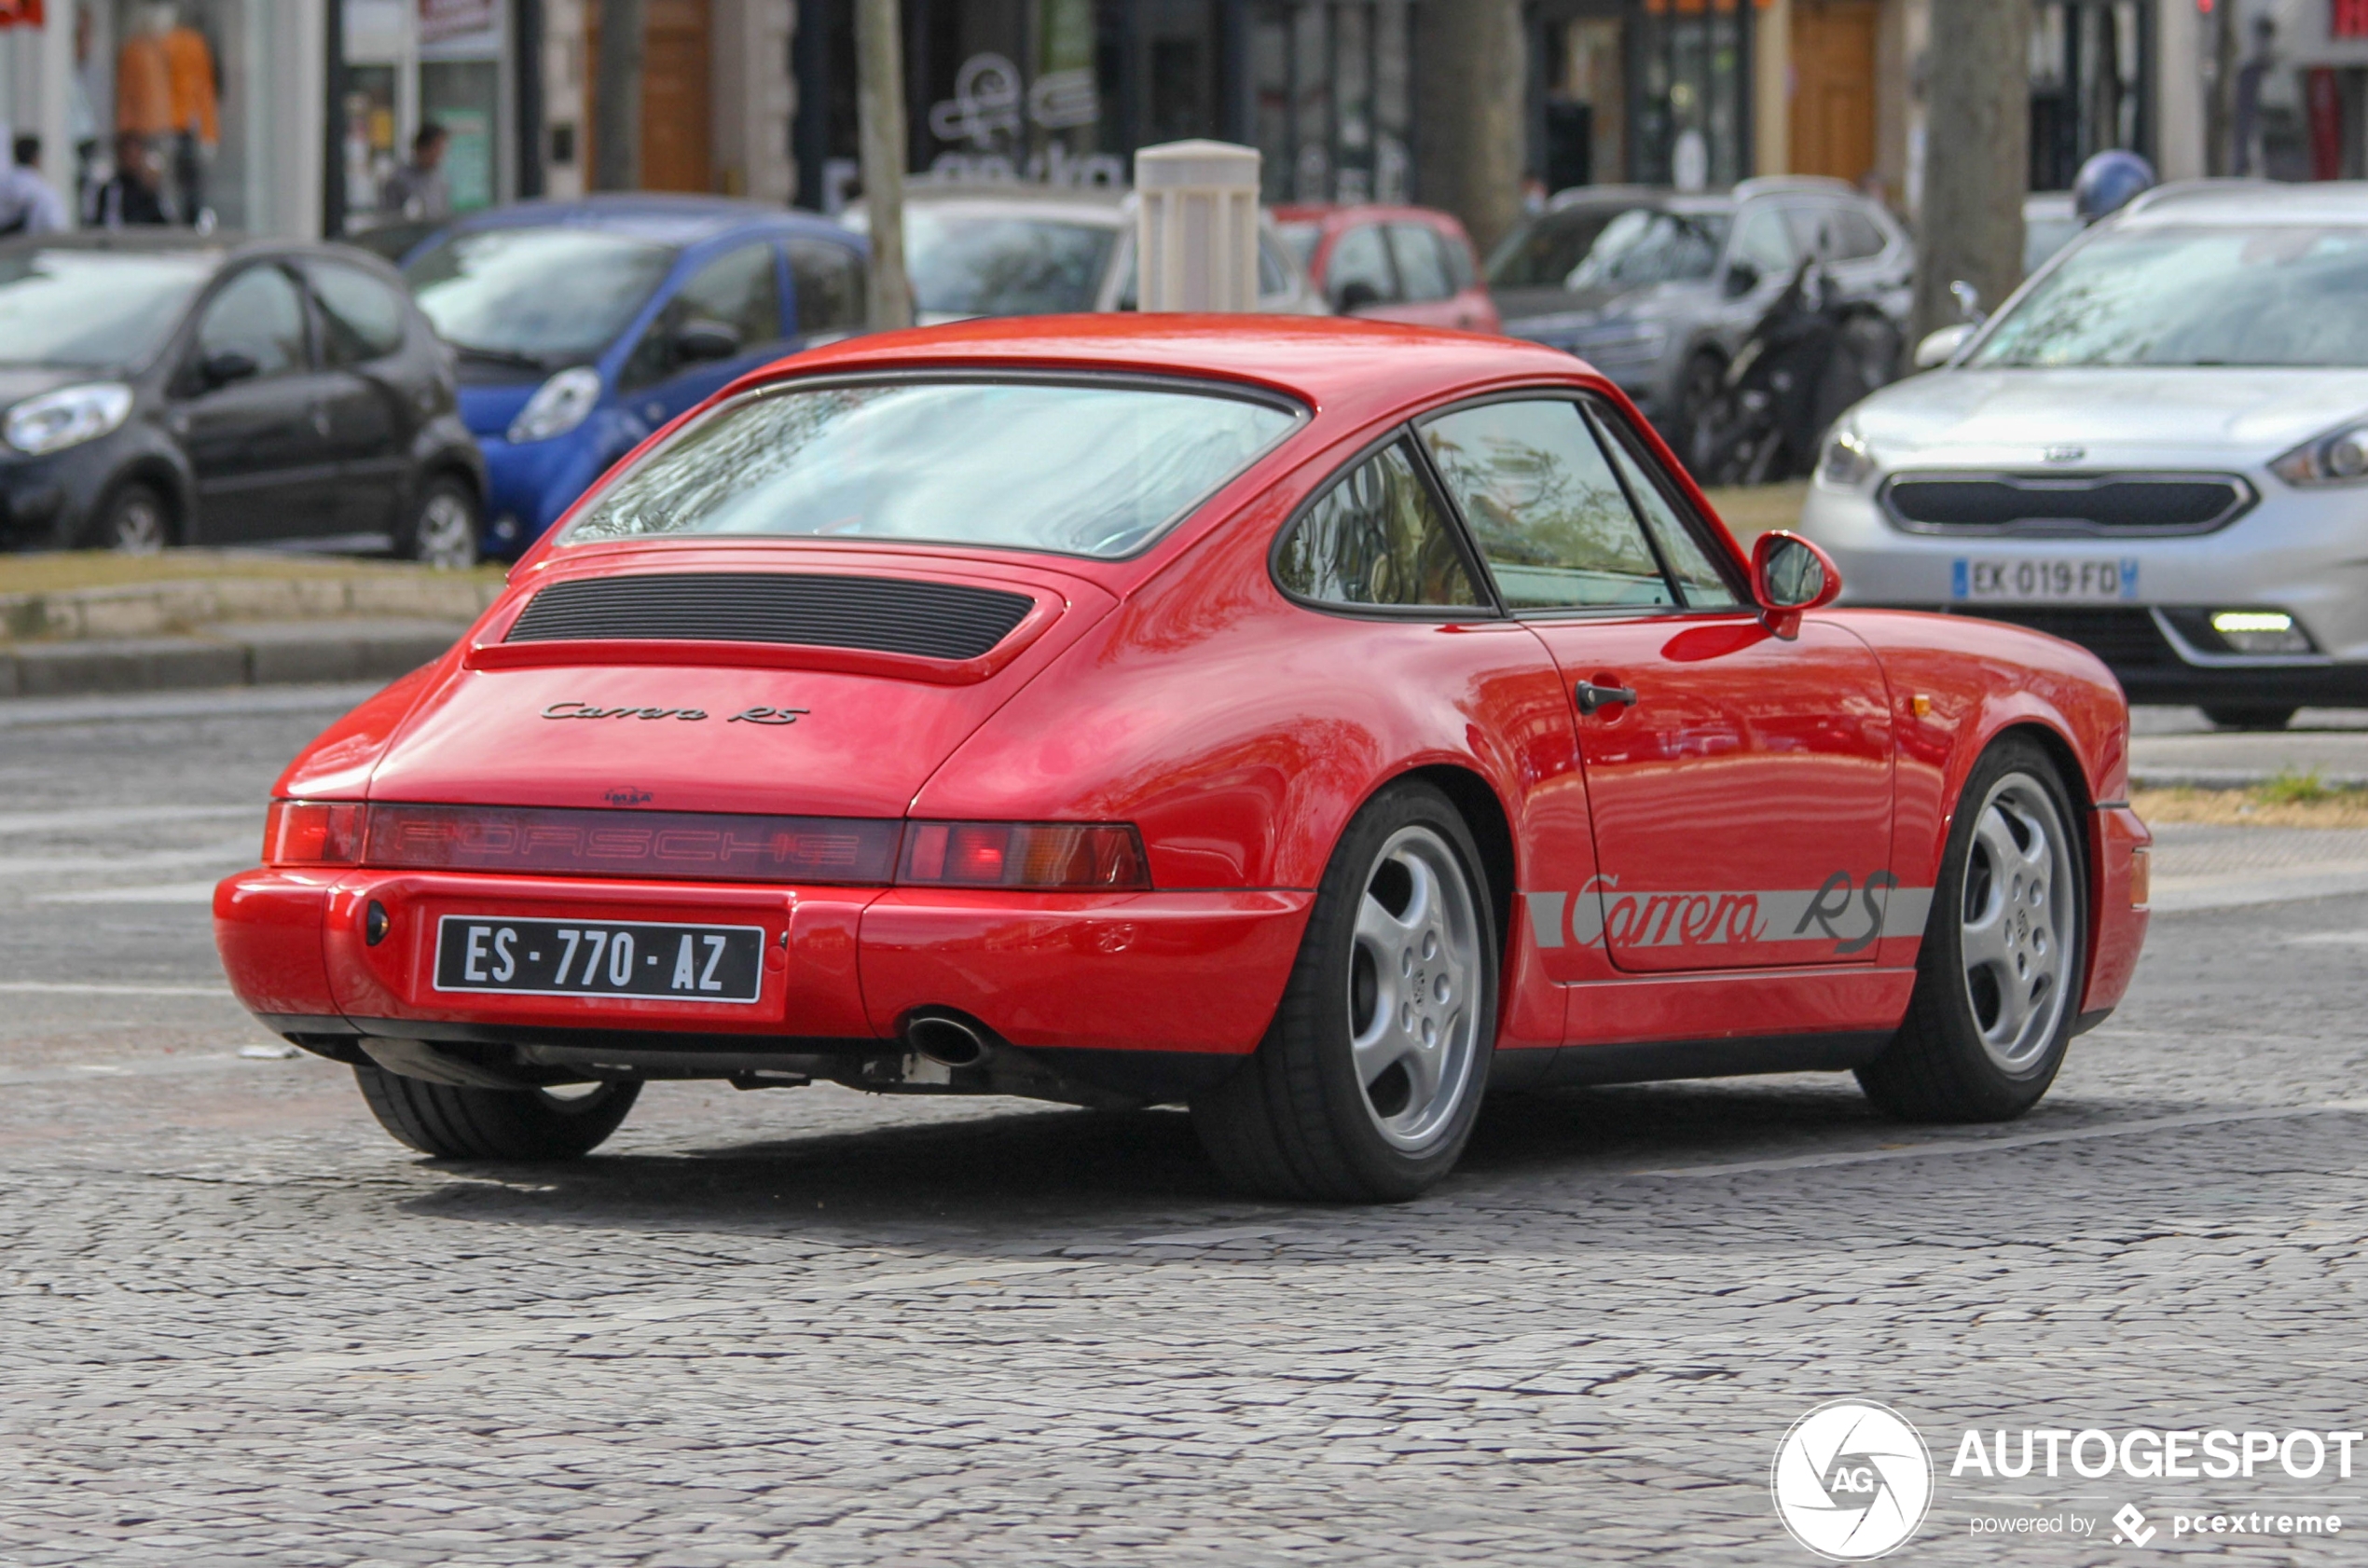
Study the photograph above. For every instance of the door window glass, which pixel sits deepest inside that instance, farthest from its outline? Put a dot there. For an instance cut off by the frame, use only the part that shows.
(1762, 242)
(1413, 246)
(1703, 585)
(1359, 263)
(1550, 515)
(1856, 236)
(1273, 278)
(257, 314)
(1456, 256)
(738, 290)
(362, 319)
(1377, 537)
(829, 280)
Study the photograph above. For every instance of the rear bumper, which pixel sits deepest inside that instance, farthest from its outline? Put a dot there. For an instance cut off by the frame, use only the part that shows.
(1196, 973)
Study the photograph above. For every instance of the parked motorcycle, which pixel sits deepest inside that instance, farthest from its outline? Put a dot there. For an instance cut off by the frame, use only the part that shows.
(1810, 357)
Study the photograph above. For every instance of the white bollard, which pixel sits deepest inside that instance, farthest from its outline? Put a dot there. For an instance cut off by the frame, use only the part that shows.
(1197, 226)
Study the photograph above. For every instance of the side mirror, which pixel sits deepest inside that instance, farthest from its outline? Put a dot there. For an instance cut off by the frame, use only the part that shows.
(1939, 348)
(699, 340)
(225, 366)
(1355, 296)
(1789, 576)
(1741, 278)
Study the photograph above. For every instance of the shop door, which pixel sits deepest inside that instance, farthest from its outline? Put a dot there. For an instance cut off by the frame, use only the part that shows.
(1832, 118)
(677, 145)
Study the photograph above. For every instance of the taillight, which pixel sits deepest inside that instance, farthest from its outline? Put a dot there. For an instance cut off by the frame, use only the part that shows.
(312, 832)
(1051, 856)
(693, 845)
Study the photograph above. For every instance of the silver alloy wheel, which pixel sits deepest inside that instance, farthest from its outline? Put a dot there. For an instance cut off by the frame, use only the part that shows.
(446, 535)
(139, 525)
(1413, 986)
(2016, 937)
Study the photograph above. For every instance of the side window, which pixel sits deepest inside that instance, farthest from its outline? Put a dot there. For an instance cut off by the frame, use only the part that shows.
(738, 291)
(1411, 246)
(1273, 278)
(257, 314)
(1699, 579)
(1377, 537)
(1856, 236)
(1455, 254)
(1542, 500)
(829, 280)
(1359, 273)
(1761, 241)
(361, 318)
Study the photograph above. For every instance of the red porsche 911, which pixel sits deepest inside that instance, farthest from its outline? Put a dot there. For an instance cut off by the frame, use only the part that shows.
(1317, 723)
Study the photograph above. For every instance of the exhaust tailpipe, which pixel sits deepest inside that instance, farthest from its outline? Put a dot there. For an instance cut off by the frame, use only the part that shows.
(950, 1042)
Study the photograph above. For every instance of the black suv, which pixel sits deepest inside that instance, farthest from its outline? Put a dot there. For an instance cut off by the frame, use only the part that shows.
(175, 388)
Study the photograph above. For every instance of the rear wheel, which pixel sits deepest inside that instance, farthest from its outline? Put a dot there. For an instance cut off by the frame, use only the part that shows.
(1367, 1082)
(134, 520)
(2004, 957)
(443, 531)
(2243, 716)
(456, 1123)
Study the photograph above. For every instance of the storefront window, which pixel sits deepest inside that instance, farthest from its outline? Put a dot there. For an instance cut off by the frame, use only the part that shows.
(1690, 122)
(410, 63)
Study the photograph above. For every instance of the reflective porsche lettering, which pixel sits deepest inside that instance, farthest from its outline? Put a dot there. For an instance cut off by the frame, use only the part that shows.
(1851, 913)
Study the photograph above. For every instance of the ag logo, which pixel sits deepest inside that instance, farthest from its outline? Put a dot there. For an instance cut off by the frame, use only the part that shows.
(1851, 1480)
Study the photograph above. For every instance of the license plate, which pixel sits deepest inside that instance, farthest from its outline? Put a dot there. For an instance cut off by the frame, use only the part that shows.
(589, 958)
(2046, 580)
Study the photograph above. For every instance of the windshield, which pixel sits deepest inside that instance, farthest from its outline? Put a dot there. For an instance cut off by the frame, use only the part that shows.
(1301, 238)
(89, 309)
(977, 265)
(542, 296)
(2275, 296)
(1078, 470)
(1643, 246)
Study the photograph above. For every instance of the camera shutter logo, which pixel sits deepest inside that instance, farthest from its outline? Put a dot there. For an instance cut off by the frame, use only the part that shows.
(1851, 1480)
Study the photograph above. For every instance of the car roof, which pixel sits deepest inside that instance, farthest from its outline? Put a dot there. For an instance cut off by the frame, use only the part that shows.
(1098, 206)
(2248, 202)
(670, 219)
(1704, 200)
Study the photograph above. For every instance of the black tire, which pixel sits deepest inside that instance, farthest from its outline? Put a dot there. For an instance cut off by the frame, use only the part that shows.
(135, 519)
(444, 527)
(1300, 1121)
(2240, 716)
(1939, 1067)
(455, 1123)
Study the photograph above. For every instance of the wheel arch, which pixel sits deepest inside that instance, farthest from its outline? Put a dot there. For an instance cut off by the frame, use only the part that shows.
(152, 470)
(1476, 801)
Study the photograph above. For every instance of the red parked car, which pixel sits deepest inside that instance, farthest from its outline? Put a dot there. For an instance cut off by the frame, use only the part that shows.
(1394, 264)
(1316, 723)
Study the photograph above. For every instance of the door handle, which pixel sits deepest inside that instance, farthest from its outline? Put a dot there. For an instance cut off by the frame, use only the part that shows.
(1593, 697)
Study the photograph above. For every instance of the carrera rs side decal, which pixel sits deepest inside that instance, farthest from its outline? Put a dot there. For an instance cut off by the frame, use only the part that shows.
(1851, 914)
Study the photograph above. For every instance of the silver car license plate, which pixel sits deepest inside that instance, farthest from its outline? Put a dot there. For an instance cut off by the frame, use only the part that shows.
(2045, 580)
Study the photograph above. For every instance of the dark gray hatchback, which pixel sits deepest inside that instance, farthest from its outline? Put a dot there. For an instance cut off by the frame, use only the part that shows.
(174, 389)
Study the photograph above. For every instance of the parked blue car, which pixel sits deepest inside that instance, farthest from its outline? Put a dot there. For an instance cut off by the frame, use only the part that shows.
(581, 327)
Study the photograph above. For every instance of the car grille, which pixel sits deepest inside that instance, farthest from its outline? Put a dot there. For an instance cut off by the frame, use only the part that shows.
(2124, 638)
(879, 615)
(2057, 505)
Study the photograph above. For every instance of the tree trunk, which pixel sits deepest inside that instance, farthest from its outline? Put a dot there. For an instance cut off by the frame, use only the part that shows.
(879, 70)
(616, 98)
(1978, 159)
(1473, 85)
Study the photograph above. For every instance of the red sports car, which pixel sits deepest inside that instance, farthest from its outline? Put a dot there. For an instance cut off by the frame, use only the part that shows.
(1316, 723)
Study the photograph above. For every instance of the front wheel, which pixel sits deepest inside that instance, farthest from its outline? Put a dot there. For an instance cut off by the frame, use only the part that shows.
(1998, 979)
(134, 520)
(452, 1122)
(442, 530)
(1370, 1078)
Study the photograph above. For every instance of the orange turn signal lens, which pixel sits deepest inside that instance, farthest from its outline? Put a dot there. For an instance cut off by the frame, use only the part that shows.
(2141, 879)
(313, 834)
(1048, 856)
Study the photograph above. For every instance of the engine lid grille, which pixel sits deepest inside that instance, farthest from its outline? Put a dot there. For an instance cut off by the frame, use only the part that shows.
(2064, 505)
(878, 615)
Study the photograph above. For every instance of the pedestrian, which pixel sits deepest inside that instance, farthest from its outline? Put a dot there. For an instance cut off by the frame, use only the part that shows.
(418, 190)
(27, 204)
(132, 196)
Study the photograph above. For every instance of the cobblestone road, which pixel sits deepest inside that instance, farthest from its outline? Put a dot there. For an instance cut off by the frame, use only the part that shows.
(239, 1325)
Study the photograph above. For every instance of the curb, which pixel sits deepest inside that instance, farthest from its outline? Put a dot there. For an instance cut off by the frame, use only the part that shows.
(2229, 778)
(151, 609)
(257, 655)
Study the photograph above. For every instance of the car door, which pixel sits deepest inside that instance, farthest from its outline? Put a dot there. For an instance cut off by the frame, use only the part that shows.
(373, 409)
(250, 410)
(1740, 783)
(1359, 278)
(726, 318)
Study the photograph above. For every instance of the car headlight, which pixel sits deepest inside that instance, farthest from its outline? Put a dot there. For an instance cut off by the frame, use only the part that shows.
(2339, 458)
(1849, 461)
(67, 417)
(558, 404)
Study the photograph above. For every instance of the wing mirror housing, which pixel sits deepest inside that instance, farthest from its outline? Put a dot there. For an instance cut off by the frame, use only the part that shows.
(1938, 347)
(225, 366)
(696, 341)
(1358, 295)
(1790, 576)
(1741, 278)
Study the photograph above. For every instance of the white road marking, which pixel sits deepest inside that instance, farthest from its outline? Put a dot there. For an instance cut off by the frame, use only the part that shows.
(230, 854)
(74, 988)
(2328, 939)
(159, 892)
(2022, 1140)
(228, 703)
(121, 817)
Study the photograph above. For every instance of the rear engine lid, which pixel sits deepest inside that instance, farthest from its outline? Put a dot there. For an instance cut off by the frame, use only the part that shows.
(805, 682)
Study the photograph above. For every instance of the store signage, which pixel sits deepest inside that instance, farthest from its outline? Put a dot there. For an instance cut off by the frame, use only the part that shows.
(992, 107)
(443, 20)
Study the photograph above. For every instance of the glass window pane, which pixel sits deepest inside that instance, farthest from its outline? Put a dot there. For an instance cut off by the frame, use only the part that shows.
(829, 280)
(1763, 241)
(257, 314)
(1549, 517)
(1704, 586)
(1358, 262)
(739, 290)
(1419, 268)
(1377, 537)
(363, 319)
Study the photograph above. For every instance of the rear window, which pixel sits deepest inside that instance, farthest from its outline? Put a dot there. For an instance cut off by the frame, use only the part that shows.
(1074, 469)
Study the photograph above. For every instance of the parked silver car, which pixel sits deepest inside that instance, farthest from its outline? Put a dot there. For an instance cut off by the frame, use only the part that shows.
(2159, 448)
(1659, 290)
